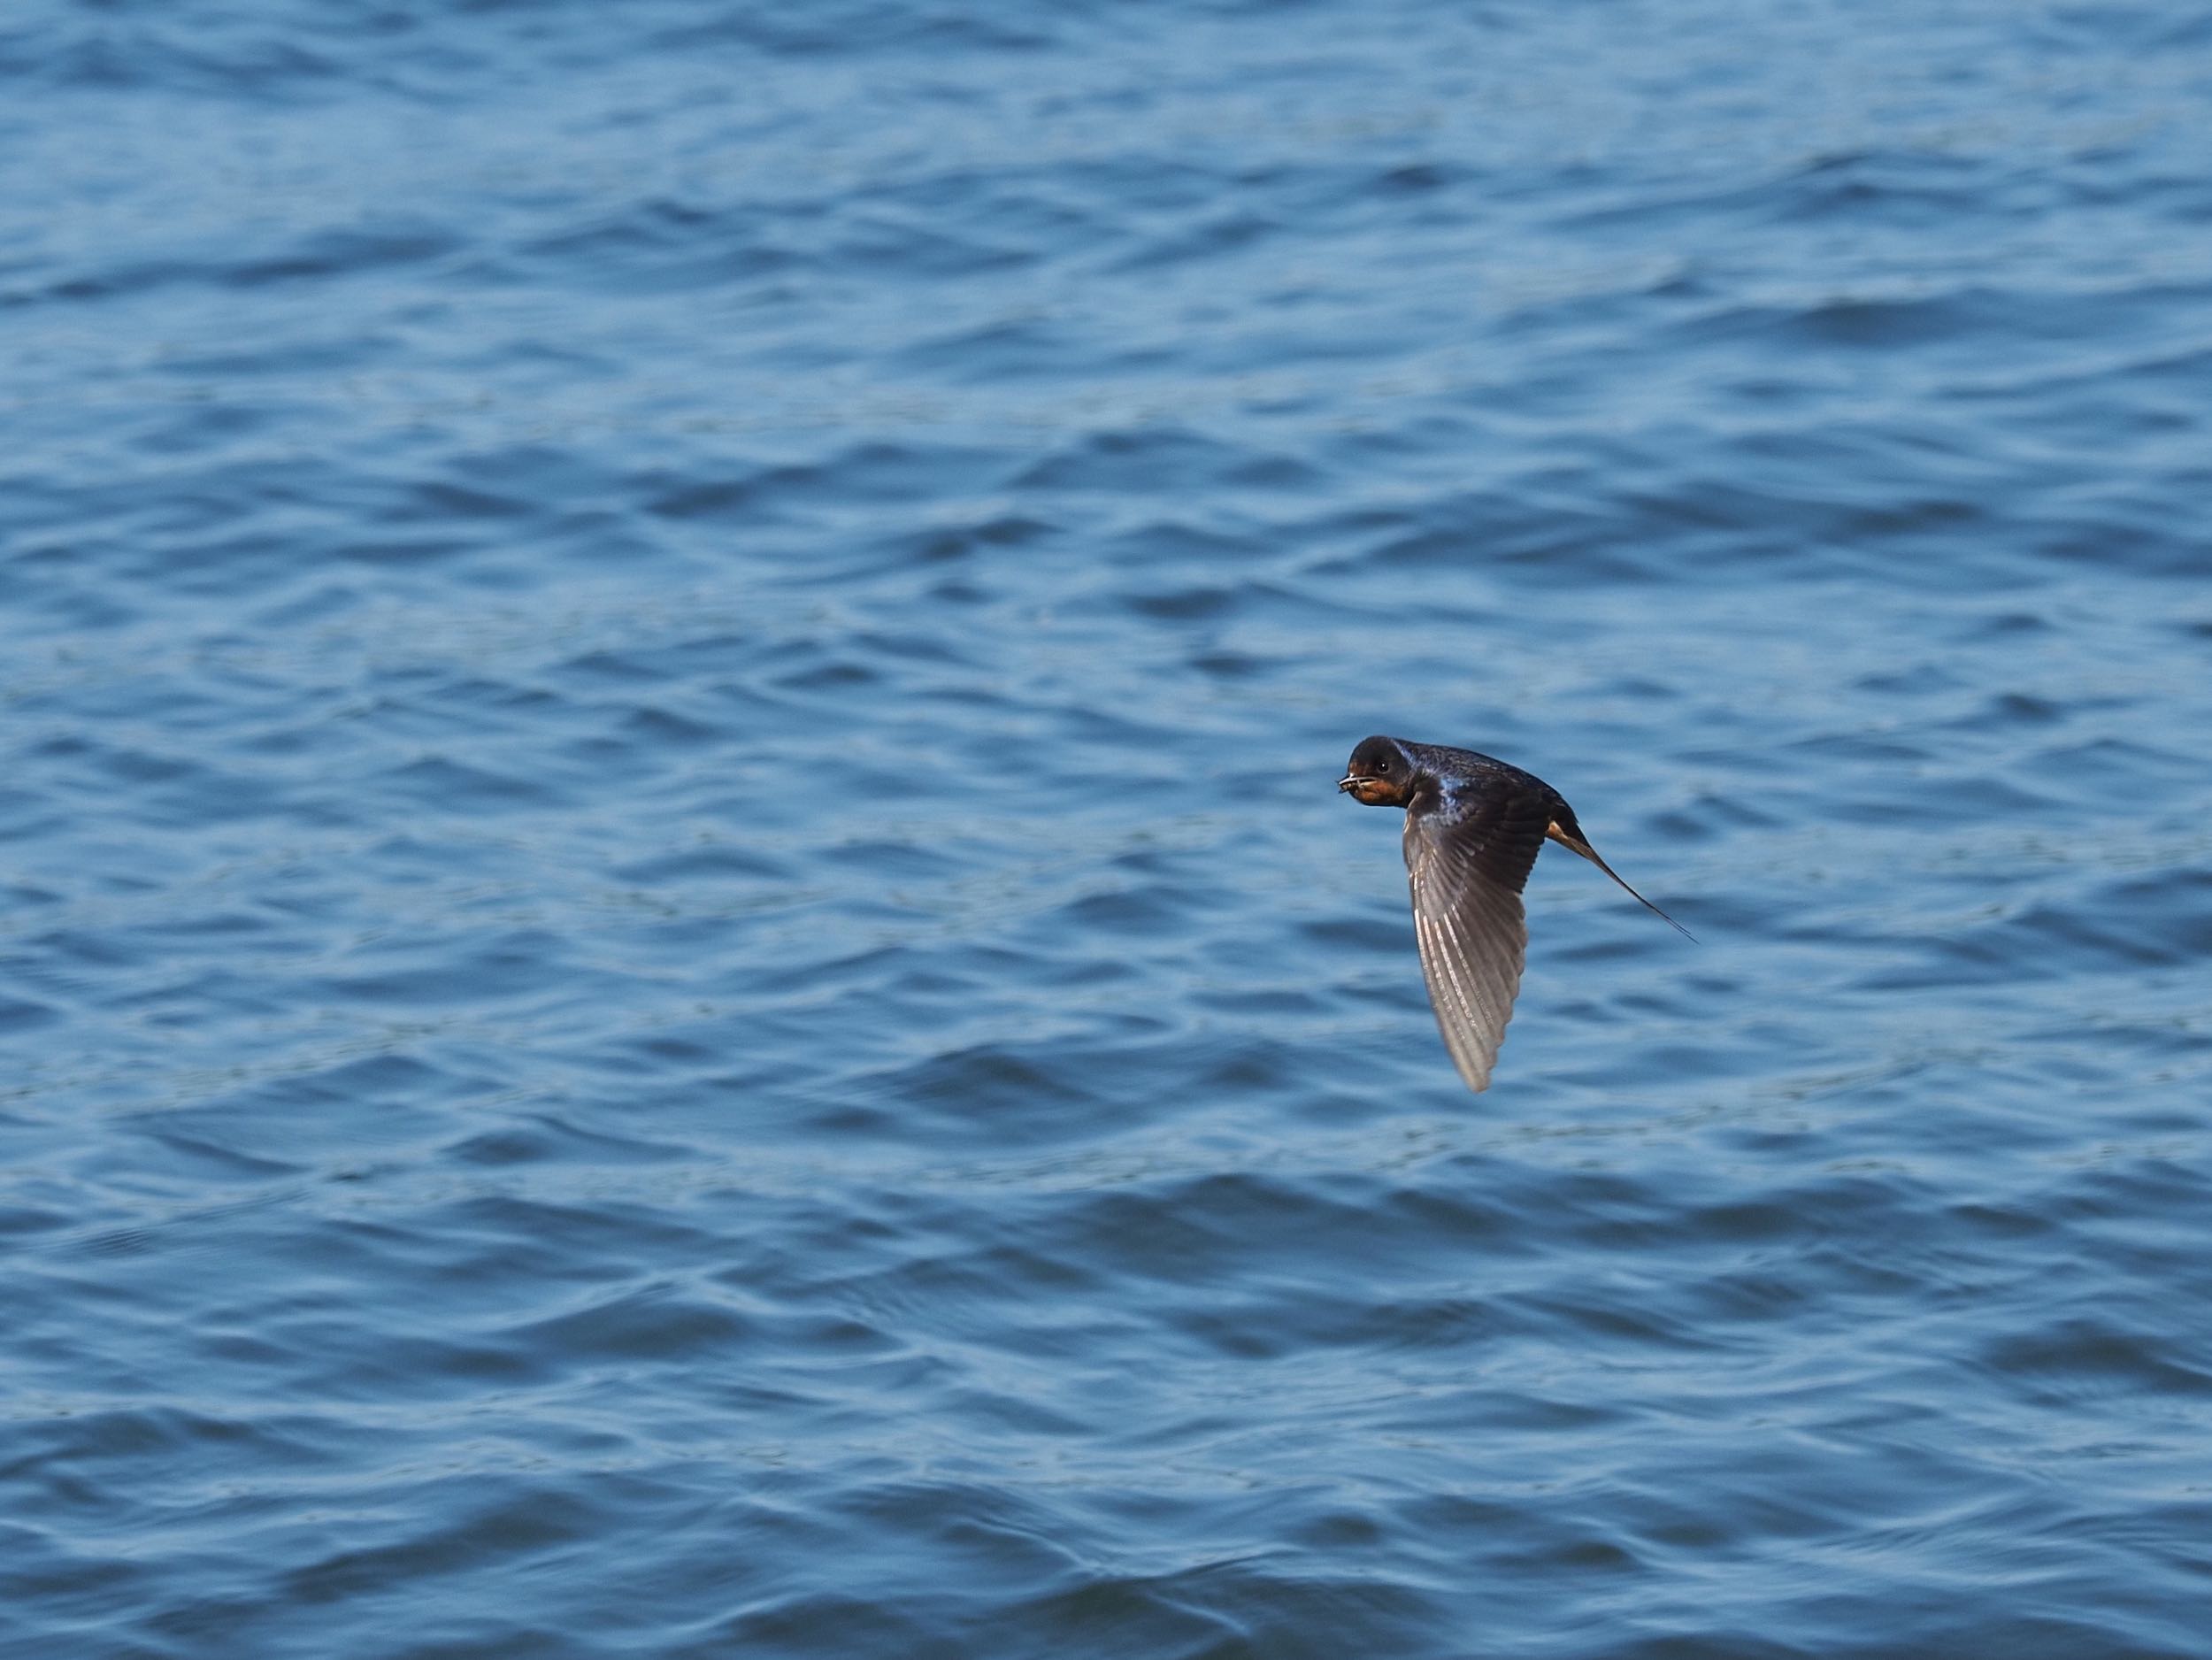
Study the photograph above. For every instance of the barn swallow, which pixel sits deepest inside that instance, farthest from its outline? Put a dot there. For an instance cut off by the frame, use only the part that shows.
(1474, 826)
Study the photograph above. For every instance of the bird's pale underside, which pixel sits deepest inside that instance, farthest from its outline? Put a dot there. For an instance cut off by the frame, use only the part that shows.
(1474, 826)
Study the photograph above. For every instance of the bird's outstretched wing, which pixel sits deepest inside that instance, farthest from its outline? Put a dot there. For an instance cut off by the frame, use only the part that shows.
(1467, 859)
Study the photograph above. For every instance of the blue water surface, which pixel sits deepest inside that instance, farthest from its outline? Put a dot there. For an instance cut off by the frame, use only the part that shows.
(679, 971)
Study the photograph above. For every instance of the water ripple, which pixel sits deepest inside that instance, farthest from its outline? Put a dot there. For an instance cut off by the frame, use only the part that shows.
(678, 967)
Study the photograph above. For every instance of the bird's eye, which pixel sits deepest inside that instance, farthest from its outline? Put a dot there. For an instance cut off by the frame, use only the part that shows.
(1383, 765)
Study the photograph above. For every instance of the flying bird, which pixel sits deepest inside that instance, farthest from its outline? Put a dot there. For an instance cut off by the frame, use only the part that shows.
(1474, 826)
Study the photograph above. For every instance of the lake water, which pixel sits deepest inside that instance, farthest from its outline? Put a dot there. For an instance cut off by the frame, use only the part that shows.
(679, 973)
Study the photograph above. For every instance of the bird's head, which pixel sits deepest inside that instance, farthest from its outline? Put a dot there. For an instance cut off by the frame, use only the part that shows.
(1380, 773)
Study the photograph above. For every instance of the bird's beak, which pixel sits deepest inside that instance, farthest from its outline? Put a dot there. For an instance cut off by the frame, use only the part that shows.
(1348, 781)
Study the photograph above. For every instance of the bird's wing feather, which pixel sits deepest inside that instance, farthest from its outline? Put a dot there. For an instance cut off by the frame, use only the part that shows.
(1467, 860)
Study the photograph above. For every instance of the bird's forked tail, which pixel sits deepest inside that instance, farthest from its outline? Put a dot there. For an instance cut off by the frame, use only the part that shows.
(1568, 833)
